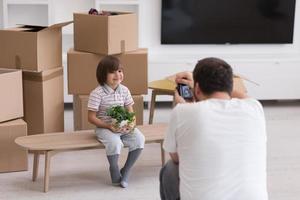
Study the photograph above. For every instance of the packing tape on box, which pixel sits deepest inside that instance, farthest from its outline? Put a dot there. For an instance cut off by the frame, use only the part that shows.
(122, 46)
(18, 62)
(37, 76)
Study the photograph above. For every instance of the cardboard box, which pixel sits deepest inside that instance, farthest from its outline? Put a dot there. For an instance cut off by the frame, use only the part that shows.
(82, 71)
(31, 47)
(12, 157)
(80, 111)
(44, 101)
(105, 34)
(11, 101)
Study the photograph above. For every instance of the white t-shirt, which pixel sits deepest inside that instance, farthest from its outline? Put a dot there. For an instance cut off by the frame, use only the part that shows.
(221, 146)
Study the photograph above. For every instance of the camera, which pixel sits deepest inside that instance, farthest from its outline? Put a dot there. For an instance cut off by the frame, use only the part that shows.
(184, 91)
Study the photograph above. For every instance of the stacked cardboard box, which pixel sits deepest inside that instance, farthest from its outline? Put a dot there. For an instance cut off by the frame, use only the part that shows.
(12, 157)
(94, 37)
(37, 51)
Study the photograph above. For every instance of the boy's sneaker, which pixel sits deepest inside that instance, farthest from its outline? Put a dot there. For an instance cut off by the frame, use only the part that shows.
(123, 184)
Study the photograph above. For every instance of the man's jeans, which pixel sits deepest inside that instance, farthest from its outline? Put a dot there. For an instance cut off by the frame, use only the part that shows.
(169, 181)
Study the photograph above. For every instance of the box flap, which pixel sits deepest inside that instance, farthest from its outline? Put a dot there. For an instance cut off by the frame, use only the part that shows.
(59, 25)
(138, 51)
(43, 75)
(22, 28)
(13, 123)
(26, 28)
(5, 70)
(36, 28)
(72, 51)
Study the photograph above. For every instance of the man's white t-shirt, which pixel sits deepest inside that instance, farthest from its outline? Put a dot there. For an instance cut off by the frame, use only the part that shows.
(221, 146)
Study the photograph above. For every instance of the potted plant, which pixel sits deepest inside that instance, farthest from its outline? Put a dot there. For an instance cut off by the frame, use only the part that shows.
(121, 118)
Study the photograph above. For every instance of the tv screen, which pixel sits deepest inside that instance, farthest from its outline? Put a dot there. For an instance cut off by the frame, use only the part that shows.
(227, 21)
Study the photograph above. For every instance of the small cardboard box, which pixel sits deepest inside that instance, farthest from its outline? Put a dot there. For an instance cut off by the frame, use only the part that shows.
(31, 47)
(105, 34)
(44, 101)
(81, 117)
(82, 71)
(11, 101)
(12, 157)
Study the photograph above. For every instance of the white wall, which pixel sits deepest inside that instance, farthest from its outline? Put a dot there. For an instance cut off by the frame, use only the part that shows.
(1, 13)
(274, 67)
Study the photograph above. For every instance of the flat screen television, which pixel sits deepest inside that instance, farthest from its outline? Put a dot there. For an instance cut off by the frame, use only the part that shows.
(227, 21)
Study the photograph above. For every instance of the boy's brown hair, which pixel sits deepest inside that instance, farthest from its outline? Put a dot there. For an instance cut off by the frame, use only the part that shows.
(108, 64)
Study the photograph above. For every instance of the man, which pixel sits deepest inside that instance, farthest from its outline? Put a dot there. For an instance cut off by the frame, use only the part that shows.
(217, 144)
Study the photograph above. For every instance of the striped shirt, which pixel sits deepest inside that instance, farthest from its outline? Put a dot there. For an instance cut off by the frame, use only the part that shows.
(104, 97)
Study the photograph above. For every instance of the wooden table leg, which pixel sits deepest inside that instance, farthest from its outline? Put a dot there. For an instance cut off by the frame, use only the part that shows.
(152, 106)
(173, 102)
(36, 160)
(162, 154)
(47, 170)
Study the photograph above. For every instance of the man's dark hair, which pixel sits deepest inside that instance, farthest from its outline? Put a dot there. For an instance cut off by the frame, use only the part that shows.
(213, 75)
(108, 64)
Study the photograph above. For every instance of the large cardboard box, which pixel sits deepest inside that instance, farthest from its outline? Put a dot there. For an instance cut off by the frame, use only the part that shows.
(44, 101)
(31, 47)
(11, 101)
(81, 117)
(82, 71)
(105, 34)
(12, 156)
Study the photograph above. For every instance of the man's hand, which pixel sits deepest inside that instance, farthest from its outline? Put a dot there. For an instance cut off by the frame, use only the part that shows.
(174, 156)
(185, 78)
(178, 98)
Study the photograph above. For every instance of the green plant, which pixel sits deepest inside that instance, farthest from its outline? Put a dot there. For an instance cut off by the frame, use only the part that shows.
(119, 113)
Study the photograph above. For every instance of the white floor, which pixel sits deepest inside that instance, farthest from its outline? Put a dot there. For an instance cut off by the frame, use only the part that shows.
(84, 175)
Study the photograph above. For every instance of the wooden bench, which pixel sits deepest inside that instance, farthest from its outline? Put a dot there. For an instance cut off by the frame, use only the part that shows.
(50, 144)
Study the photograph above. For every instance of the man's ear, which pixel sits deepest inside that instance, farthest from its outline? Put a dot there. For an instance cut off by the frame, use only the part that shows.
(197, 91)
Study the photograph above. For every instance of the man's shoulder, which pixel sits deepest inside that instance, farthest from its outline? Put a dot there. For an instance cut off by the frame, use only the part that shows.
(250, 105)
(184, 109)
(251, 102)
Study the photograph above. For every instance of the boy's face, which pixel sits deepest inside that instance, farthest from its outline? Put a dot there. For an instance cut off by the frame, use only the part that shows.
(115, 78)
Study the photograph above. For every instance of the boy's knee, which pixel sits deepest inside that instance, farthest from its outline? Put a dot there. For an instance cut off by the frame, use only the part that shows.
(139, 141)
(114, 147)
(140, 138)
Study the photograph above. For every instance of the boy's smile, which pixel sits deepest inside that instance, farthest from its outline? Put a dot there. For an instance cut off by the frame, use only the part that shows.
(115, 78)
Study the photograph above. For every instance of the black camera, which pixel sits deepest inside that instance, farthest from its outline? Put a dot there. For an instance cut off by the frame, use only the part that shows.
(184, 91)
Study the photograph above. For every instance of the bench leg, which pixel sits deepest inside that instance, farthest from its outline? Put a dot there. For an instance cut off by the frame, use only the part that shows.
(36, 160)
(162, 154)
(152, 106)
(48, 155)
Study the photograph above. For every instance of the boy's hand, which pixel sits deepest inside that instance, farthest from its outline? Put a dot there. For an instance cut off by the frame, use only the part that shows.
(129, 127)
(114, 129)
